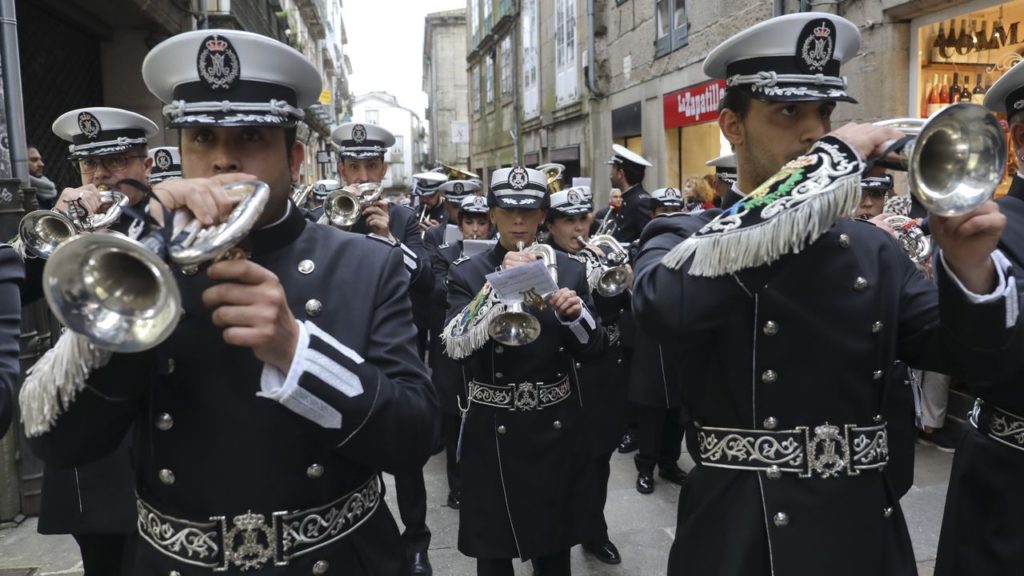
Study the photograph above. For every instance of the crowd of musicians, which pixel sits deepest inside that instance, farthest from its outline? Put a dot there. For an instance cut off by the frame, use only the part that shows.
(236, 413)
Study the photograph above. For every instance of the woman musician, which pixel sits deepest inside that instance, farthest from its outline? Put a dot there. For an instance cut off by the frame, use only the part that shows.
(520, 430)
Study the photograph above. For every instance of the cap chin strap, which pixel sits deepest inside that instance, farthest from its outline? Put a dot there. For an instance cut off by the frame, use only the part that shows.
(122, 141)
(179, 108)
(768, 78)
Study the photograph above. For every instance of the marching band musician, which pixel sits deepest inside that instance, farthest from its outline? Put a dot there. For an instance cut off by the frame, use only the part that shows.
(604, 382)
(165, 164)
(981, 533)
(803, 312)
(11, 276)
(446, 374)
(521, 427)
(431, 210)
(455, 191)
(627, 174)
(874, 191)
(654, 389)
(95, 502)
(263, 422)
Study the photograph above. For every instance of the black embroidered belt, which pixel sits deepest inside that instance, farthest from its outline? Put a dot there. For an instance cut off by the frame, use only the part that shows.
(998, 424)
(825, 451)
(251, 541)
(521, 396)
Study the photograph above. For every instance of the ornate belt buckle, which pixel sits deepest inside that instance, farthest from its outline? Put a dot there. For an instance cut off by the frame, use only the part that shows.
(828, 451)
(526, 396)
(251, 543)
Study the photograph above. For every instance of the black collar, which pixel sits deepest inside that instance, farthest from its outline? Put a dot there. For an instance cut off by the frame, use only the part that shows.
(633, 190)
(280, 233)
(1017, 188)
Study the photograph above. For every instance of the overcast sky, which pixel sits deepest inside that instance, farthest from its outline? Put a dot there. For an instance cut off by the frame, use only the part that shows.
(385, 45)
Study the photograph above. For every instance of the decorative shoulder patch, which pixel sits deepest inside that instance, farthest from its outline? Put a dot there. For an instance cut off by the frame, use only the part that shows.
(380, 238)
(460, 260)
(783, 215)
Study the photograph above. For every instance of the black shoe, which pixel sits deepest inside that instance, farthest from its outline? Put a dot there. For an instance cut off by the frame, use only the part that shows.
(943, 439)
(454, 499)
(627, 444)
(673, 474)
(644, 482)
(605, 552)
(421, 565)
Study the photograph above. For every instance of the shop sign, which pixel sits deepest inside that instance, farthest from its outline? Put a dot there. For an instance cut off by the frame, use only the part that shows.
(693, 104)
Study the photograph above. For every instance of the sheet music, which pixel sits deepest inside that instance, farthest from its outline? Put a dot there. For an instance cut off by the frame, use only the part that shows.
(452, 234)
(522, 282)
(473, 247)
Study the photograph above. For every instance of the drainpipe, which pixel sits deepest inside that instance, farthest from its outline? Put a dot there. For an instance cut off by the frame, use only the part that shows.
(13, 105)
(779, 8)
(517, 72)
(591, 72)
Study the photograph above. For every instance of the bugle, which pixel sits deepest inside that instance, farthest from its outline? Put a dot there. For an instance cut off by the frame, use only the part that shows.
(516, 326)
(343, 208)
(608, 272)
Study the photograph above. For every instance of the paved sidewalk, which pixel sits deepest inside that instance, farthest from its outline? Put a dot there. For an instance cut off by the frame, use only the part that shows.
(641, 526)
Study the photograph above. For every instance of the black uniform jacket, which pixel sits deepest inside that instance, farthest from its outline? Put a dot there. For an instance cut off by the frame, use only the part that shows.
(355, 401)
(446, 374)
(11, 275)
(634, 214)
(981, 528)
(805, 341)
(520, 469)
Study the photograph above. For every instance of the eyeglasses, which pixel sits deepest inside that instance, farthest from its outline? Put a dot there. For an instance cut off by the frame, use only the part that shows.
(112, 163)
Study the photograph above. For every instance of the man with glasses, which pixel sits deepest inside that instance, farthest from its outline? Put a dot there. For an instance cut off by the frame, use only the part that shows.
(95, 502)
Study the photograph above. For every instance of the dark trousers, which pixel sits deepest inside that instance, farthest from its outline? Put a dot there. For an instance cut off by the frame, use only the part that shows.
(597, 533)
(102, 554)
(451, 423)
(553, 565)
(411, 494)
(659, 437)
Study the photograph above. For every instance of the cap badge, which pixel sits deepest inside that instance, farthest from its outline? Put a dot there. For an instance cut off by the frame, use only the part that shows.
(672, 194)
(458, 188)
(518, 178)
(815, 45)
(574, 197)
(359, 133)
(218, 64)
(163, 159)
(89, 125)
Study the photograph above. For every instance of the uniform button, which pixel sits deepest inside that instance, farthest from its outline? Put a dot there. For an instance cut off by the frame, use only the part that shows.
(174, 573)
(306, 267)
(769, 376)
(559, 375)
(774, 473)
(877, 418)
(771, 328)
(164, 422)
(499, 375)
(844, 240)
(887, 511)
(561, 349)
(877, 374)
(860, 284)
(877, 327)
(781, 519)
(320, 567)
(166, 476)
(170, 365)
(619, 361)
(313, 307)
(502, 429)
(770, 423)
(189, 270)
(499, 350)
(315, 471)
(578, 365)
(557, 424)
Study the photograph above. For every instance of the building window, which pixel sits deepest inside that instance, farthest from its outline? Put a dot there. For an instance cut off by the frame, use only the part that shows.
(531, 59)
(506, 66)
(399, 148)
(670, 25)
(373, 116)
(474, 19)
(474, 83)
(487, 17)
(565, 52)
(489, 80)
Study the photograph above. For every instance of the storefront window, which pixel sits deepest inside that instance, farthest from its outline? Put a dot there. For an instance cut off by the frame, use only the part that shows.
(960, 52)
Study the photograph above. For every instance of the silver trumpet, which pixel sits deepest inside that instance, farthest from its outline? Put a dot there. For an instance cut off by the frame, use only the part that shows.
(910, 237)
(608, 270)
(120, 293)
(41, 231)
(342, 208)
(956, 159)
(515, 326)
(608, 226)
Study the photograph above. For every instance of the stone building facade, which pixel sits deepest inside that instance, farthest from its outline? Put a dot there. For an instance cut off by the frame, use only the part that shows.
(447, 87)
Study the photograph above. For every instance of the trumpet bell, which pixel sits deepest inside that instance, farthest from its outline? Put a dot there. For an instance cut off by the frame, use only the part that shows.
(113, 290)
(614, 281)
(514, 328)
(41, 231)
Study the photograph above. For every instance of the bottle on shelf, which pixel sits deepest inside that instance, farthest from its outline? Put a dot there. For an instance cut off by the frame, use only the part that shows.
(972, 36)
(949, 48)
(982, 45)
(963, 43)
(954, 89)
(926, 94)
(965, 92)
(944, 92)
(998, 37)
(934, 101)
(938, 43)
(978, 95)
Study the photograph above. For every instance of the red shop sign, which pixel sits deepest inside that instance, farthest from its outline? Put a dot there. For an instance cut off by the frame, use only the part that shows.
(693, 104)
